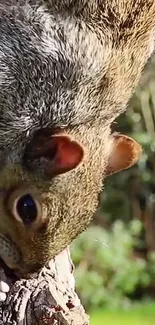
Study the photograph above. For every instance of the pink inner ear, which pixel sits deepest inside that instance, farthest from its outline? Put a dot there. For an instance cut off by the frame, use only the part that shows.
(68, 155)
(59, 153)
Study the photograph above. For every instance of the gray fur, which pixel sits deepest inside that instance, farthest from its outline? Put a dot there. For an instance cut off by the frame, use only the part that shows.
(53, 68)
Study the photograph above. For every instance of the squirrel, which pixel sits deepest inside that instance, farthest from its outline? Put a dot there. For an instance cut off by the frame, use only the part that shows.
(67, 71)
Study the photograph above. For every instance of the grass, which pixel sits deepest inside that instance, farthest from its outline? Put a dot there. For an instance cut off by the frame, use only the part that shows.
(144, 315)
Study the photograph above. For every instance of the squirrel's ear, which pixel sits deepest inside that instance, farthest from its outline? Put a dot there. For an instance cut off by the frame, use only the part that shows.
(59, 152)
(125, 153)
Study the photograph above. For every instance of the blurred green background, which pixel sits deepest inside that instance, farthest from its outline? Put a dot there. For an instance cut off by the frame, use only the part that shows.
(115, 257)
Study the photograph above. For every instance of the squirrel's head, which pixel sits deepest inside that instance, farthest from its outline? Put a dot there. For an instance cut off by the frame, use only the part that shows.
(67, 71)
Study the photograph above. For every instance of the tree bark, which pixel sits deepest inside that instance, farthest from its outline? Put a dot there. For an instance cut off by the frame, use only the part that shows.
(47, 298)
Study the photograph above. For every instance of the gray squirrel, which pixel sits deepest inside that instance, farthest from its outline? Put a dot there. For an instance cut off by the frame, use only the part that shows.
(67, 70)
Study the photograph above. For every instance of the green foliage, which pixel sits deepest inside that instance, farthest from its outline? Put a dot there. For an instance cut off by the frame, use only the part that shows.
(143, 315)
(107, 272)
(131, 194)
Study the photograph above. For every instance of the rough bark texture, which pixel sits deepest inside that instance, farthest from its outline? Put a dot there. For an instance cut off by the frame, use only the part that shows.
(47, 298)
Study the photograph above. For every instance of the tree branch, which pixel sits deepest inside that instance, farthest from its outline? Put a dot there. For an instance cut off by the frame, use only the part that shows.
(48, 298)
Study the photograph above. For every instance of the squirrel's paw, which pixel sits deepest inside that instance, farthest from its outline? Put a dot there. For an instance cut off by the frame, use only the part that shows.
(4, 289)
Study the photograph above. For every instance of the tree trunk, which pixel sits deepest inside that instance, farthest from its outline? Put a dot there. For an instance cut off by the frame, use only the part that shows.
(47, 298)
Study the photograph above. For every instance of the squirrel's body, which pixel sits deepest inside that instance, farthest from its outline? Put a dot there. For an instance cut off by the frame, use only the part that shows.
(69, 66)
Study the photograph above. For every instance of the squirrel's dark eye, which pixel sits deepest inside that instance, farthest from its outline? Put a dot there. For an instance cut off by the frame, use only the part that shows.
(26, 209)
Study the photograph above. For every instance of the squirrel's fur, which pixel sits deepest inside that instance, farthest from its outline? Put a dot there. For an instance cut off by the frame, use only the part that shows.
(72, 65)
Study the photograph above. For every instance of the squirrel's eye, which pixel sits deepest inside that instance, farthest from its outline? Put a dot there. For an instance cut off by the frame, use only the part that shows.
(24, 205)
(26, 208)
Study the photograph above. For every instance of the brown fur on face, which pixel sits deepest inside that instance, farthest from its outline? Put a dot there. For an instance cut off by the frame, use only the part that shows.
(108, 44)
(67, 203)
